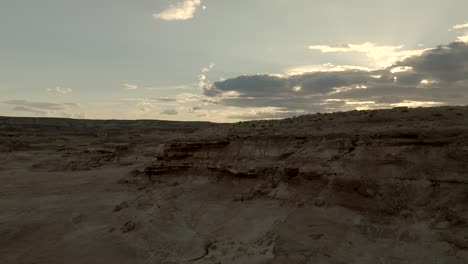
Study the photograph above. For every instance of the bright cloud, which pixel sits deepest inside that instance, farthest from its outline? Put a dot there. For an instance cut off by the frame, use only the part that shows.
(60, 90)
(463, 38)
(328, 67)
(202, 80)
(130, 86)
(384, 56)
(180, 11)
(426, 82)
(408, 103)
(460, 26)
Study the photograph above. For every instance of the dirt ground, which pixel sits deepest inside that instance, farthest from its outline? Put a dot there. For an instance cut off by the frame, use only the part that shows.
(388, 186)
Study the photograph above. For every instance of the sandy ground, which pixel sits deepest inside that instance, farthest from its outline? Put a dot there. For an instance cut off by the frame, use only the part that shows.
(358, 187)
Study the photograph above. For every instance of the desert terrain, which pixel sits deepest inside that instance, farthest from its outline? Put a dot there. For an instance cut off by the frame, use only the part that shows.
(371, 187)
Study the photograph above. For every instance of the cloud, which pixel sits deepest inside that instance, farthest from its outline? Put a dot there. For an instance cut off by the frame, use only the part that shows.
(255, 86)
(447, 63)
(384, 56)
(41, 105)
(45, 108)
(60, 90)
(179, 98)
(460, 26)
(169, 112)
(29, 110)
(181, 11)
(165, 99)
(463, 38)
(202, 79)
(130, 86)
(328, 67)
(172, 87)
(432, 77)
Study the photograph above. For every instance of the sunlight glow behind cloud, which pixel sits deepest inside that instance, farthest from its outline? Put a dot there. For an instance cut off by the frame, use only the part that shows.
(463, 38)
(384, 56)
(327, 67)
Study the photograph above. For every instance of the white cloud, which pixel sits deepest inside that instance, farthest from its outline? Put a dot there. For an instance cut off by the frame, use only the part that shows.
(60, 90)
(384, 56)
(460, 26)
(401, 69)
(180, 11)
(202, 80)
(297, 88)
(130, 86)
(463, 38)
(426, 82)
(207, 69)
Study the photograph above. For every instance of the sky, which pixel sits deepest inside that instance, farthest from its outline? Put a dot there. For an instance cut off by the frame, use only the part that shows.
(229, 61)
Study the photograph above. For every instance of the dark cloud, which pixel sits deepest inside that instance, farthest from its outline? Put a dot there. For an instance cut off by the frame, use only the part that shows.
(437, 75)
(255, 85)
(410, 78)
(325, 82)
(447, 63)
(169, 112)
(268, 85)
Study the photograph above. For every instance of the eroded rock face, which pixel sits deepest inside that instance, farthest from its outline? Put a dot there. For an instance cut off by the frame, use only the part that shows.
(364, 166)
(386, 186)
